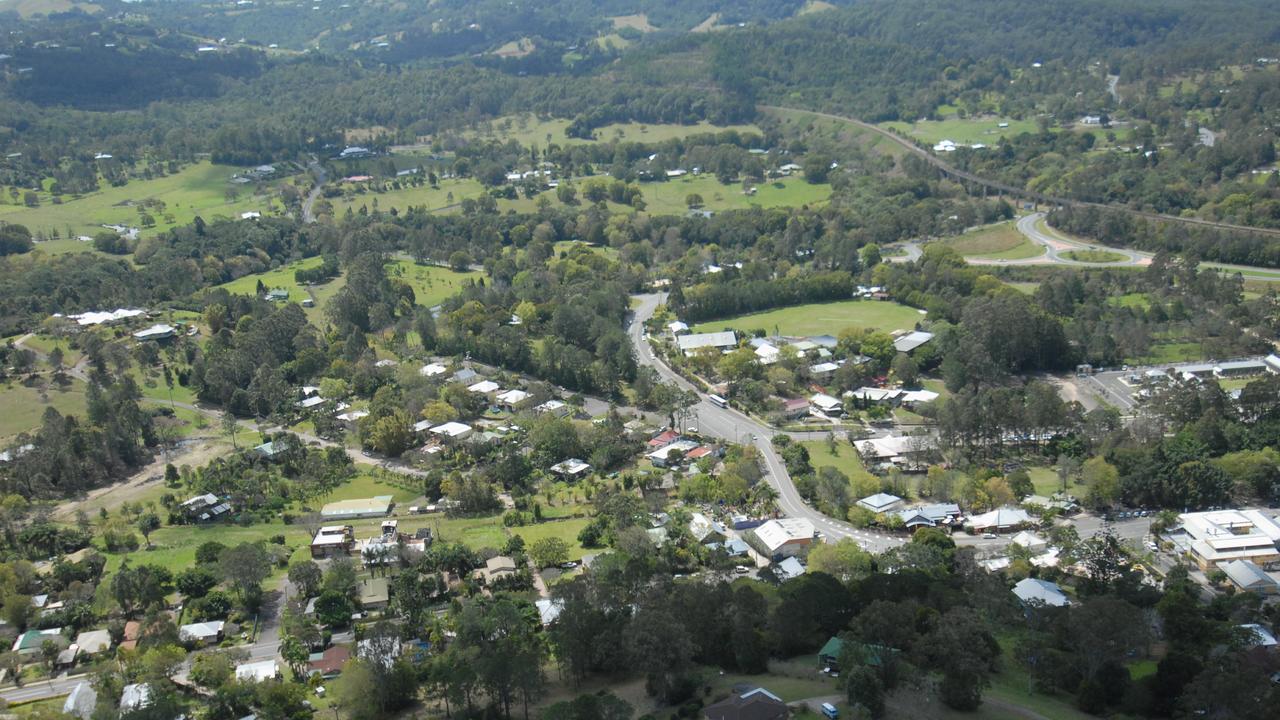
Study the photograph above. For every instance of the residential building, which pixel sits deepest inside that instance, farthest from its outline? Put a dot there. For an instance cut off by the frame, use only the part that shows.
(874, 394)
(513, 400)
(81, 702)
(719, 340)
(1258, 636)
(496, 568)
(823, 371)
(135, 697)
(757, 704)
(795, 408)
(789, 569)
(452, 430)
(202, 633)
(705, 530)
(1032, 592)
(571, 469)
(912, 398)
(93, 642)
(908, 342)
(881, 503)
(677, 328)
(375, 593)
(553, 407)
(783, 537)
(156, 333)
(826, 405)
(205, 508)
(485, 387)
(1220, 536)
(929, 515)
(431, 370)
(276, 449)
(1273, 363)
(1030, 541)
(549, 610)
(662, 457)
(1239, 368)
(1250, 578)
(260, 671)
(379, 506)
(132, 630)
(333, 541)
(465, 376)
(31, 643)
(329, 663)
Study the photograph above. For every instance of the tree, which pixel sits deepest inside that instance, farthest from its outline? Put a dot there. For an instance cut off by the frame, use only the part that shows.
(333, 609)
(245, 566)
(905, 370)
(863, 687)
(603, 705)
(295, 654)
(1102, 482)
(693, 200)
(229, 426)
(306, 577)
(549, 552)
(195, 582)
(660, 647)
(147, 524)
(844, 560)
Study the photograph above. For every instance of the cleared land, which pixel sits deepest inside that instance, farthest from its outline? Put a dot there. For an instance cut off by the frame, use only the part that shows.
(447, 194)
(530, 130)
(24, 406)
(639, 21)
(966, 131)
(998, 242)
(431, 284)
(669, 198)
(281, 278)
(822, 318)
(811, 125)
(199, 189)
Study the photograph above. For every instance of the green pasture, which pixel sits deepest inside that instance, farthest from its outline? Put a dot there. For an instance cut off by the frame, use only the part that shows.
(822, 318)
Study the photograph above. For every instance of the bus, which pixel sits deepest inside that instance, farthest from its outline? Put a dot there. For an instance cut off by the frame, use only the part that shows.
(830, 711)
(718, 401)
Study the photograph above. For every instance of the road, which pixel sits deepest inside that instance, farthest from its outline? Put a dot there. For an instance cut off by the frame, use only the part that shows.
(318, 170)
(731, 425)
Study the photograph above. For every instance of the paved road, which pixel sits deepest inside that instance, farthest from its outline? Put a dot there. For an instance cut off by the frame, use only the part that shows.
(731, 425)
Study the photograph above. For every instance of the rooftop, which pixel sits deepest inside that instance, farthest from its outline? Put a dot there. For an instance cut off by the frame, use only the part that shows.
(689, 343)
(776, 533)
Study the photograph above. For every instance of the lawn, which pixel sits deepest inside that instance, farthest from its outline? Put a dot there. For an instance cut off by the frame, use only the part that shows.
(845, 459)
(366, 486)
(431, 284)
(1001, 241)
(24, 406)
(475, 533)
(1045, 480)
(445, 195)
(837, 130)
(1131, 300)
(566, 530)
(1171, 352)
(1026, 287)
(1093, 256)
(964, 131)
(822, 318)
(174, 547)
(198, 189)
(280, 278)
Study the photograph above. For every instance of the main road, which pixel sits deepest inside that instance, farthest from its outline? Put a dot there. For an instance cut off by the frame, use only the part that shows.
(729, 424)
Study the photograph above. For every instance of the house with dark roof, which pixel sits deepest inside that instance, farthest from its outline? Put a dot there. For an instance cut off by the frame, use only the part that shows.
(756, 704)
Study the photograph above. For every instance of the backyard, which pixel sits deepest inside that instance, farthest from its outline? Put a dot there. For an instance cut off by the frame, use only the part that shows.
(822, 318)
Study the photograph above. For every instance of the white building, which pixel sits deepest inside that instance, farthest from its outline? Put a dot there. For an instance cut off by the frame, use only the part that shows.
(1034, 592)
(431, 370)
(786, 537)
(910, 341)
(452, 430)
(260, 671)
(572, 468)
(718, 340)
(825, 404)
(1220, 536)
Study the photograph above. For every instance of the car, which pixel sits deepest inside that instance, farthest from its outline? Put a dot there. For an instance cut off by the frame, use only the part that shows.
(568, 565)
(741, 570)
(988, 536)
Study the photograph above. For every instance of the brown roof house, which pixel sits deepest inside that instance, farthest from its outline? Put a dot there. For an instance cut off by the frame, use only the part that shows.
(756, 704)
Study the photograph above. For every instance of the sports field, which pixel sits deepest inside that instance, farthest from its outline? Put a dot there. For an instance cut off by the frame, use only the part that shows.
(822, 318)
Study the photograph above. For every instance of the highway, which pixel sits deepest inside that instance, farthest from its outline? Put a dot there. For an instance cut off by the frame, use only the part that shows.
(731, 425)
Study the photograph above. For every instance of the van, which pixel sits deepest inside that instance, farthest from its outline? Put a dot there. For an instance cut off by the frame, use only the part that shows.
(718, 401)
(829, 710)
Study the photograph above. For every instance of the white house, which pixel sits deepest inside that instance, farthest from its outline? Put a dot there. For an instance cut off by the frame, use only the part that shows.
(431, 370)
(513, 400)
(1033, 592)
(202, 632)
(786, 537)
(1003, 518)
(718, 340)
(452, 430)
(881, 502)
(484, 387)
(571, 469)
(260, 671)
(825, 404)
(553, 407)
(155, 332)
(908, 342)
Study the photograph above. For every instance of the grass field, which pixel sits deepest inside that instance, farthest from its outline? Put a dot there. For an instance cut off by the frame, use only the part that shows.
(822, 318)
(532, 130)
(446, 194)
(1170, 352)
(1093, 256)
(845, 459)
(1025, 287)
(198, 189)
(24, 406)
(841, 131)
(280, 278)
(1131, 300)
(668, 198)
(431, 284)
(367, 486)
(964, 131)
(566, 530)
(1001, 241)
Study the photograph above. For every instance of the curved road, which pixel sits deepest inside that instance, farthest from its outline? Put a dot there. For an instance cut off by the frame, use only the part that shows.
(731, 425)
(318, 170)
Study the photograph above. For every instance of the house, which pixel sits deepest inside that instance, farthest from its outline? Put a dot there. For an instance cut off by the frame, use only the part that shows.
(874, 394)
(329, 663)
(496, 568)
(67, 658)
(757, 704)
(908, 342)
(81, 702)
(881, 503)
(571, 469)
(1032, 593)
(664, 438)
(375, 593)
(662, 457)
(260, 671)
(823, 371)
(386, 363)
(705, 530)
(783, 537)
(31, 643)
(277, 295)
(379, 506)
(513, 400)
(202, 633)
(275, 449)
(556, 408)
(795, 408)
(431, 370)
(719, 340)
(766, 352)
(311, 402)
(789, 569)
(93, 642)
(350, 418)
(677, 328)
(465, 375)
(1257, 636)
(1249, 577)
(1030, 541)
(824, 404)
(549, 610)
(452, 430)
(333, 541)
(132, 630)
(204, 508)
(1273, 363)
(829, 655)
(135, 697)
(156, 333)
(911, 398)
(484, 387)
(1220, 536)
(1003, 518)
(929, 515)
(735, 547)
